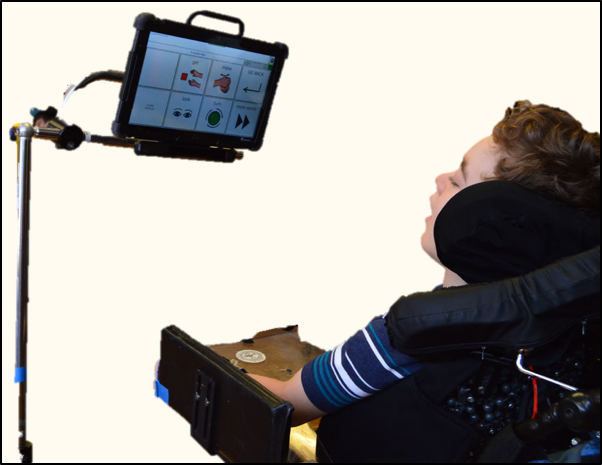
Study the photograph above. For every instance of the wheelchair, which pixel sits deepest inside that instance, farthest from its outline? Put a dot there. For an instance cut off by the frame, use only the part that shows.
(499, 362)
(510, 374)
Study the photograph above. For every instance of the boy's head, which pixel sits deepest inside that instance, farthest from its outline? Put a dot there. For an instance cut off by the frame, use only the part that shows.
(546, 150)
(539, 147)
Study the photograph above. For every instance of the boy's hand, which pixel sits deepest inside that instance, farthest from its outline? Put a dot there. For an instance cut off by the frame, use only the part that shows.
(156, 375)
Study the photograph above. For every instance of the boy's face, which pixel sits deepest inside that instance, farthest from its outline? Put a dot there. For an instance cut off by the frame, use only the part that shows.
(478, 164)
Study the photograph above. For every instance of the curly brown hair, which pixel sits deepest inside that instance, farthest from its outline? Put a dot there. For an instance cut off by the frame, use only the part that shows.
(546, 150)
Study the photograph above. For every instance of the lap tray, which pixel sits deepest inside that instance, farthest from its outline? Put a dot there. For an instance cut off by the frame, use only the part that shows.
(230, 414)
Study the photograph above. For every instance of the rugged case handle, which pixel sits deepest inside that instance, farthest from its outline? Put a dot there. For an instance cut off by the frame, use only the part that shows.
(211, 14)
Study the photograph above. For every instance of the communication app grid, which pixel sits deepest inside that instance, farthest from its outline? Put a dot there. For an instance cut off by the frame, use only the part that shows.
(196, 86)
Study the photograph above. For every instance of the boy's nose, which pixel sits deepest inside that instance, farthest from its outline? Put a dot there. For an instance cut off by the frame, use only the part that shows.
(441, 182)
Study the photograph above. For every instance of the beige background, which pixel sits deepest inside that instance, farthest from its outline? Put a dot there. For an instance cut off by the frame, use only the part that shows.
(320, 228)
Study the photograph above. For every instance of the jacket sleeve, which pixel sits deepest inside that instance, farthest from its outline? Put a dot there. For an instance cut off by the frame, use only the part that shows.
(363, 365)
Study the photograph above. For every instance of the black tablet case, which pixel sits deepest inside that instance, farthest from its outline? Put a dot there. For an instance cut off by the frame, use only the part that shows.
(230, 414)
(146, 23)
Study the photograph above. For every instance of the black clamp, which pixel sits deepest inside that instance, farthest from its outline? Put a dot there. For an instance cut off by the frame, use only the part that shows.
(70, 137)
(203, 423)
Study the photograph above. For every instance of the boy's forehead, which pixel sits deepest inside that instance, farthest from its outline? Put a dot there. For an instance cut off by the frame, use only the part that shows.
(485, 145)
(479, 161)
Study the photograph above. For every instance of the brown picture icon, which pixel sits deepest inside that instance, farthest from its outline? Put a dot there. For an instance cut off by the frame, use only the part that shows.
(223, 83)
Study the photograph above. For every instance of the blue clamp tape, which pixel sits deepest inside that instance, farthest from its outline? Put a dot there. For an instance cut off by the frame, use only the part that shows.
(20, 374)
(162, 392)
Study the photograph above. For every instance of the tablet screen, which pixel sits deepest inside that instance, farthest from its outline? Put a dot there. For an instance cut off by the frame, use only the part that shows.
(196, 86)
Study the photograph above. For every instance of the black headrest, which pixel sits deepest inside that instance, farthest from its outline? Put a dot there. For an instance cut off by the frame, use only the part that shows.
(524, 312)
(497, 229)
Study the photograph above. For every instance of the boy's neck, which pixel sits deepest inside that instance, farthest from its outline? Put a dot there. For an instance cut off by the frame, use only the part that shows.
(451, 279)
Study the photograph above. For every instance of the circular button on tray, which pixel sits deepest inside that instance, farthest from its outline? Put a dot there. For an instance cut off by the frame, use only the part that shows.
(250, 356)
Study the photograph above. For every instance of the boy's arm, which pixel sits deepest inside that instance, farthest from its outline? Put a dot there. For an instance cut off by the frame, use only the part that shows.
(292, 391)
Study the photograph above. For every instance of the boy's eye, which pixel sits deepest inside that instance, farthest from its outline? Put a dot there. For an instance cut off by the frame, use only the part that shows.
(453, 183)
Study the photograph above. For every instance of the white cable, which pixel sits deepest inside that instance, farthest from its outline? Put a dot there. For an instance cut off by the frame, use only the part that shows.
(67, 94)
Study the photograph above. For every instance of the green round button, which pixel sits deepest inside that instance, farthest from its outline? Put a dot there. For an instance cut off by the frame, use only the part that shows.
(214, 118)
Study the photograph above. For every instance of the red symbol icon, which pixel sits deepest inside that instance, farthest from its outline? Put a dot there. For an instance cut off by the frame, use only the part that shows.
(184, 76)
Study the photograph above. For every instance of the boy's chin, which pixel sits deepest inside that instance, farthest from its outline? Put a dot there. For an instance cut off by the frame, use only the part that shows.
(429, 248)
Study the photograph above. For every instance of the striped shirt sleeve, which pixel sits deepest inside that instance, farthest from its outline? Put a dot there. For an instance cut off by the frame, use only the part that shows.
(363, 365)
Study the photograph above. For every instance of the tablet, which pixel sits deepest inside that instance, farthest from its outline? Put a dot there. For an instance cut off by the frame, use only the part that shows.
(191, 86)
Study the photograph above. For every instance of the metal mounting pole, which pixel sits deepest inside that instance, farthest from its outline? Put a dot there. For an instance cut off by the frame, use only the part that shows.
(25, 133)
(68, 138)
